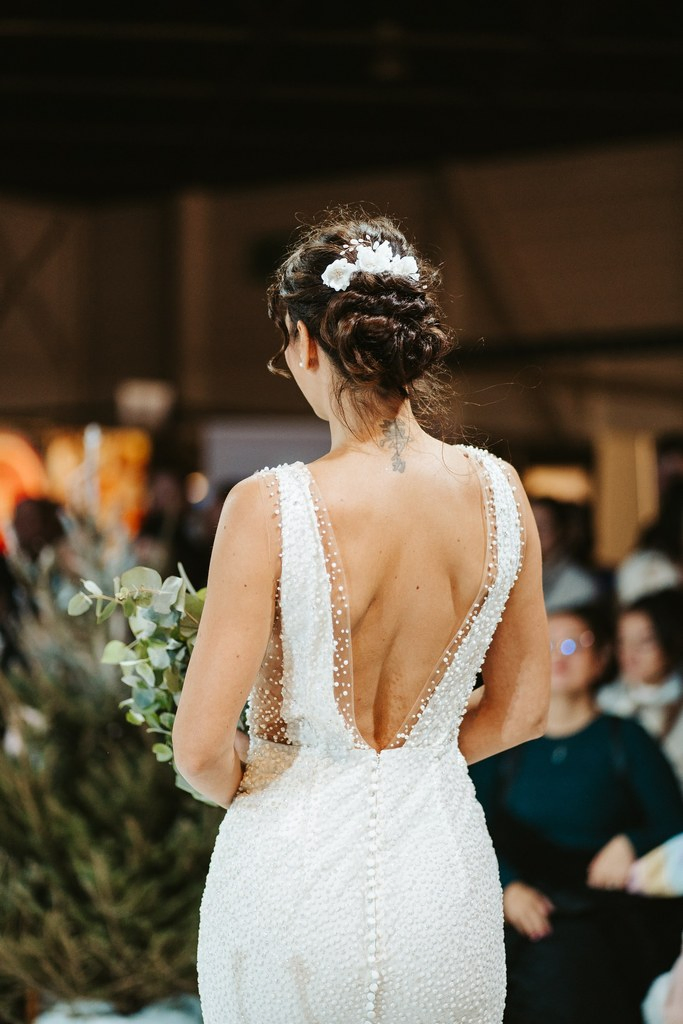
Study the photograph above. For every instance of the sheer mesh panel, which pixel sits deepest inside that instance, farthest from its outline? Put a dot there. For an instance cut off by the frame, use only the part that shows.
(264, 713)
(341, 620)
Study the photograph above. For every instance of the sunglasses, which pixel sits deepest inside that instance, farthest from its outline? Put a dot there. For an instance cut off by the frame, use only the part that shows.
(570, 645)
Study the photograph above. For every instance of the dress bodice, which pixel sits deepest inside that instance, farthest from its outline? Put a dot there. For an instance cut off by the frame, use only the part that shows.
(304, 692)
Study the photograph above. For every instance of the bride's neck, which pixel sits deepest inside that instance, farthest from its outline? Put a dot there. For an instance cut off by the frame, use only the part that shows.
(388, 430)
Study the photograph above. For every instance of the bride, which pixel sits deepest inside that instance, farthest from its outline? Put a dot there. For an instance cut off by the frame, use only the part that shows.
(352, 603)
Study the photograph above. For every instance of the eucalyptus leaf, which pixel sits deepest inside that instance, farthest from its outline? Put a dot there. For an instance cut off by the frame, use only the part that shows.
(142, 625)
(144, 699)
(194, 606)
(92, 587)
(172, 585)
(141, 578)
(163, 751)
(169, 620)
(179, 603)
(162, 602)
(165, 699)
(158, 656)
(114, 653)
(146, 672)
(79, 604)
(134, 717)
(107, 612)
(188, 584)
(171, 679)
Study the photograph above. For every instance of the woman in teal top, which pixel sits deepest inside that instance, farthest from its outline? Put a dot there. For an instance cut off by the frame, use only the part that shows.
(569, 813)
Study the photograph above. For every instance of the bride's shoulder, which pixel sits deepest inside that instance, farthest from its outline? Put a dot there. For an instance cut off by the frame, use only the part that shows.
(259, 488)
(276, 471)
(487, 457)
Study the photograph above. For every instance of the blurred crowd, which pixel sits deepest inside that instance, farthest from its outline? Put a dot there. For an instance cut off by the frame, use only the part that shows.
(42, 540)
(586, 821)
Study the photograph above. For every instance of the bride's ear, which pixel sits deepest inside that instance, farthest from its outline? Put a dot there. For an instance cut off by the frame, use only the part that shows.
(308, 350)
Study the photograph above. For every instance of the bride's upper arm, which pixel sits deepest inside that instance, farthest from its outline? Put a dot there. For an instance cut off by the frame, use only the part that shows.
(516, 671)
(235, 626)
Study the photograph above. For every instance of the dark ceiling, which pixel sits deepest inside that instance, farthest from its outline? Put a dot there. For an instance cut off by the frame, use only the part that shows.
(100, 105)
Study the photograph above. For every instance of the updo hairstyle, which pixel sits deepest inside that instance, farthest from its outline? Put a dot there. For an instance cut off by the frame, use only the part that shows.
(383, 334)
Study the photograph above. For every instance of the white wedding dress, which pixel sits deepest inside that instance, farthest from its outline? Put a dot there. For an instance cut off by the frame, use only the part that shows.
(348, 886)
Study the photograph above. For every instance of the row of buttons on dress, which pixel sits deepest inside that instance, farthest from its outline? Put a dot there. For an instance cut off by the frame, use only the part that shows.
(371, 897)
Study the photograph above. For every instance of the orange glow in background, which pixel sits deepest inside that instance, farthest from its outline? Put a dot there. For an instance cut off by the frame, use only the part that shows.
(112, 487)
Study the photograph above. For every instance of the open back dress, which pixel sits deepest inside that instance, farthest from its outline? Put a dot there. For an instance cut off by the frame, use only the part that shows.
(350, 885)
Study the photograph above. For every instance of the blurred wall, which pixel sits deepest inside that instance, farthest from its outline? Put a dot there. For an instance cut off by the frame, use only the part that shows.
(570, 245)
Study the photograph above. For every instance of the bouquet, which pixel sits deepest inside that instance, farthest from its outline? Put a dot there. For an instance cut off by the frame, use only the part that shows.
(163, 616)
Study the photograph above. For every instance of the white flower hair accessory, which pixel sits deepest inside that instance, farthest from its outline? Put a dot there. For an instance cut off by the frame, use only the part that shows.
(371, 258)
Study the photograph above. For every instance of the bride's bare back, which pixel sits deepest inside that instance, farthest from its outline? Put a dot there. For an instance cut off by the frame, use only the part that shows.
(409, 519)
(414, 548)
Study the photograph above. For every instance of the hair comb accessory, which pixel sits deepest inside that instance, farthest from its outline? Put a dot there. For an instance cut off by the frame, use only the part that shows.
(371, 258)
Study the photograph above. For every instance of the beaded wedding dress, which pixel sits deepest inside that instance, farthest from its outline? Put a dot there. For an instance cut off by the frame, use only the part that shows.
(350, 886)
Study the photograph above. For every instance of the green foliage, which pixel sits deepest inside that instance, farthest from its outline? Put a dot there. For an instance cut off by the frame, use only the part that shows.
(103, 858)
(163, 617)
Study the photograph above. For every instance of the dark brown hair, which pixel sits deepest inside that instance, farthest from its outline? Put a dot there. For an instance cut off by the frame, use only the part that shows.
(384, 334)
(664, 609)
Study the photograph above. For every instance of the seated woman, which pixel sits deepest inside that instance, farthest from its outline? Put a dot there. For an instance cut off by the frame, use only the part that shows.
(568, 814)
(650, 682)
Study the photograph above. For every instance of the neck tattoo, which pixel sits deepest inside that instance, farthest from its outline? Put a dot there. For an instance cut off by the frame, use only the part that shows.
(396, 436)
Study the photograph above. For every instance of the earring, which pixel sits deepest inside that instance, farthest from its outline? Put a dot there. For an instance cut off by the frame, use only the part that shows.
(301, 363)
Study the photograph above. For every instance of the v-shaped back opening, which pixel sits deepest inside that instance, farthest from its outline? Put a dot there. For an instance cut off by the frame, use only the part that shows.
(343, 681)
